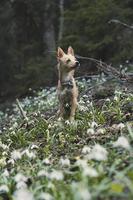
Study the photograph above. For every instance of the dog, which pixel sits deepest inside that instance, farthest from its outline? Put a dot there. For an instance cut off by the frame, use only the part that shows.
(67, 89)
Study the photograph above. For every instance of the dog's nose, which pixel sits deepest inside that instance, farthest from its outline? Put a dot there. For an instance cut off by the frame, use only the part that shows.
(77, 64)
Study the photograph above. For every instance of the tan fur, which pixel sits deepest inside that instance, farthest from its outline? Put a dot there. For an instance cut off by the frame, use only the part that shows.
(67, 95)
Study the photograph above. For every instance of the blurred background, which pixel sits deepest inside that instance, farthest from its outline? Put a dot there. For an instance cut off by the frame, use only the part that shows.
(31, 31)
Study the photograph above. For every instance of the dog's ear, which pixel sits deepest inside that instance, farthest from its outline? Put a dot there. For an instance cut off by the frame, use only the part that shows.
(70, 51)
(60, 53)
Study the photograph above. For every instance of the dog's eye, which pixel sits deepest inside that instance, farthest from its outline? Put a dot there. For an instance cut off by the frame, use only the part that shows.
(68, 60)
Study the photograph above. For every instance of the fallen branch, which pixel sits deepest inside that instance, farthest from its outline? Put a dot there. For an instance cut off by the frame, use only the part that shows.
(22, 111)
(108, 69)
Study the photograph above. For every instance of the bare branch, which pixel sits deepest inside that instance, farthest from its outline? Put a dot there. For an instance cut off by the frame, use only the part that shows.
(116, 21)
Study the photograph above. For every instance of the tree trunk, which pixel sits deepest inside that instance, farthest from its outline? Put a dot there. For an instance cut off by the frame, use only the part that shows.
(61, 25)
(49, 32)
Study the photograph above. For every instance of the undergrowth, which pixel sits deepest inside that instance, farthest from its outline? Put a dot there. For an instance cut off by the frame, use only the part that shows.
(47, 158)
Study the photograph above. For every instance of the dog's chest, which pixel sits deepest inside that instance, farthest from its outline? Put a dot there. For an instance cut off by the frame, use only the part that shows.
(66, 95)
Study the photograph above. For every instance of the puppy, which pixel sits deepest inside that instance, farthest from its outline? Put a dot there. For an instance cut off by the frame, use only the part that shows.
(67, 89)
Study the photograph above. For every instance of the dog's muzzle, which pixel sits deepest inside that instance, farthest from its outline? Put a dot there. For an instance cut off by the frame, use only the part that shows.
(77, 64)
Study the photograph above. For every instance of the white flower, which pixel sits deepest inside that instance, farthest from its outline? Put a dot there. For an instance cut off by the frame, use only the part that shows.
(3, 146)
(21, 184)
(57, 175)
(29, 154)
(3, 161)
(122, 142)
(108, 100)
(46, 196)
(90, 131)
(80, 191)
(82, 108)
(89, 171)
(20, 177)
(20, 180)
(81, 163)
(33, 146)
(86, 150)
(5, 173)
(120, 126)
(67, 122)
(46, 161)
(4, 188)
(86, 170)
(43, 173)
(16, 155)
(84, 194)
(64, 162)
(100, 131)
(11, 161)
(23, 194)
(94, 124)
(98, 153)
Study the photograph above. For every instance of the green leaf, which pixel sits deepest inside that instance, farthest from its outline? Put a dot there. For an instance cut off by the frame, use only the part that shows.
(117, 187)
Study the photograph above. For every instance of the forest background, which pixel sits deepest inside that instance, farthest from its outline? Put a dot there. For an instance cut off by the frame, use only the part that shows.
(31, 31)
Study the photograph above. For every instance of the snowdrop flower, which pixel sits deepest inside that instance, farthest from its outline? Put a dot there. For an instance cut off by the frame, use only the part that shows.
(122, 142)
(86, 170)
(57, 175)
(98, 153)
(81, 163)
(94, 124)
(11, 161)
(107, 100)
(20, 180)
(46, 196)
(85, 96)
(21, 184)
(84, 194)
(4, 188)
(15, 125)
(20, 177)
(29, 154)
(64, 162)
(80, 192)
(5, 173)
(82, 108)
(89, 171)
(86, 150)
(42, 173)
(101, 131)
(16, 155)
(46, 161)
(90, 131)
(23, 194)
(3, 161)
(67, 122)
(33, 146)
(3, 146)
(115, 98)
(120, 126)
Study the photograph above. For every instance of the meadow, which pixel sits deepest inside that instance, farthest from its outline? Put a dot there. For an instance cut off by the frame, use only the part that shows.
(45, 158)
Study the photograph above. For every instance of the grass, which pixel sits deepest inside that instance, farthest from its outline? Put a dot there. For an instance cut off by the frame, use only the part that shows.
(47, 158)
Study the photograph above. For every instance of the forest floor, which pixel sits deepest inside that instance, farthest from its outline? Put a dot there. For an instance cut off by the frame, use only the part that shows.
(43, 158)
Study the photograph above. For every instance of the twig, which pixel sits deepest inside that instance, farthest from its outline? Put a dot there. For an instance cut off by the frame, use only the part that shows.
(22, 111)
(116, 21)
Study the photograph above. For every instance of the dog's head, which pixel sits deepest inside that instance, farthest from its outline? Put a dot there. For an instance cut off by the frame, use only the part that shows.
(67, 61)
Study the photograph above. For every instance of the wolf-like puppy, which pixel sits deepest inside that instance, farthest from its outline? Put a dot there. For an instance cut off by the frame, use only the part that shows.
(67, 89)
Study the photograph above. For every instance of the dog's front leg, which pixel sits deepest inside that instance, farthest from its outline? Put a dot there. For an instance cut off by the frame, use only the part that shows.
(73, 109)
